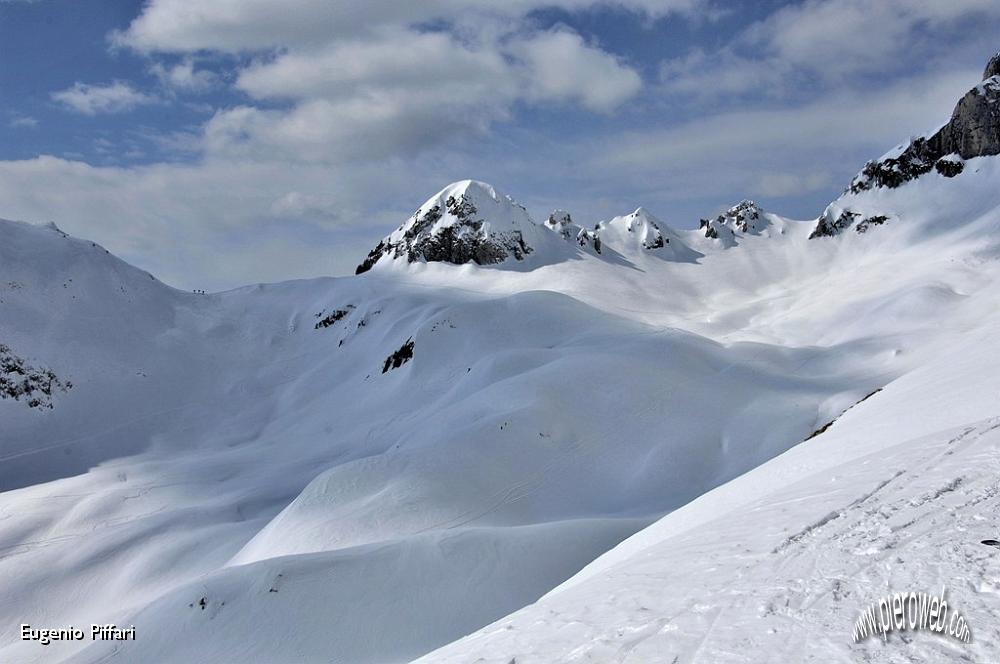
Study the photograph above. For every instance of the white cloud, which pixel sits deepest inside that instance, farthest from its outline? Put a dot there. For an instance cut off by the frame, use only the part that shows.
(753, 150)
(332, 81)
(251, 25)
(400, 90)
(434, 62)
(704, 76)
(845, 37)
(833, 41)
(23, 121)
(220, 224)
(117, 97)
(184, 76)
(353, 116)
(561, 66)
(778, 185)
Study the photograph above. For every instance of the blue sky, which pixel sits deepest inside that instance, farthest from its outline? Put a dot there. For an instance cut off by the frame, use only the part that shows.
(224, 143)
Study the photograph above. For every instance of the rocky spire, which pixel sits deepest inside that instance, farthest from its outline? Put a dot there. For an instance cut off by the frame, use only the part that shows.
(993, 67)
(974, 128)
(972, 131)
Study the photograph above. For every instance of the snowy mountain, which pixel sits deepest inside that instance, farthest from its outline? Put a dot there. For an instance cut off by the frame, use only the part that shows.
(640, 233)
(743, 218)
(509, 441)
(465, 222)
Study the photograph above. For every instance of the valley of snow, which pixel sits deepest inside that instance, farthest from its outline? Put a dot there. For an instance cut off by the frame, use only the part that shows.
(366, 469)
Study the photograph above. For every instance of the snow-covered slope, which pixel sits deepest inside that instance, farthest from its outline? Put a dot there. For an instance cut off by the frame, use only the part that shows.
(898, 495)
(297, 442)
(365, 469)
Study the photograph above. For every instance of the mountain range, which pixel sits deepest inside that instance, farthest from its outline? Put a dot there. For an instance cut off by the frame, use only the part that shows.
(513, 441)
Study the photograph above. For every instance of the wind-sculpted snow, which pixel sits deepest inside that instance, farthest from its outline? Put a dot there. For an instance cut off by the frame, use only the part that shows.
(364, 469)
(779, 564)
(229, 431)
(543, 416)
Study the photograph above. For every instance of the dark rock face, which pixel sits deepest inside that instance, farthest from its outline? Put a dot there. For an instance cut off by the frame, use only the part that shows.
(972, 131)
(831, 224)
(19, 381)
(914, 161)
(656, 243)
(868, 222)
(399, 357)
(380, 250)
(744, 217)
(992, 67)
(562, 223)
(329, 319)
(949, 167)
(974, 128)
(459, 243)
(709, 228)
(743, 214)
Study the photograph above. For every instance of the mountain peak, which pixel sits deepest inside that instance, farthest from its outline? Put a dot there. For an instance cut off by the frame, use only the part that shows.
(474, 188)
(642, 233)
(466, 221)
(744, 217)
(972, 131)
(992, 67)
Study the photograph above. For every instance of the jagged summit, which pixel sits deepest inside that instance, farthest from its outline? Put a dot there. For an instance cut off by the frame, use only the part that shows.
(746, 217)
(972, 131)
(469, 221)
(466, 221)
(561, 223)
(992, 67)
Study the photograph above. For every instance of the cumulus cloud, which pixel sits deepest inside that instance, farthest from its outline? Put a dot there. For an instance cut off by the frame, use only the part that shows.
(401, 90)
(435, 62)
(830, 40)
(118, 97)
(752, 151)
(250, 25)
(846, 37)
(184, 76)
(348, 115)
(268, 222)
(23, 122)
(561, 66)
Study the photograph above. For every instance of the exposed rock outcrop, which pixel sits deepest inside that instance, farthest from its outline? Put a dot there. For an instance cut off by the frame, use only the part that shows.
(466, 221)
(746, 217)
(562, 223)
(19, 380)
(835, 221)
(972, 131)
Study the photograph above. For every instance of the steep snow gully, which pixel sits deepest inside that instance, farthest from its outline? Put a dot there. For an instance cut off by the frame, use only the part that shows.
(522, 442)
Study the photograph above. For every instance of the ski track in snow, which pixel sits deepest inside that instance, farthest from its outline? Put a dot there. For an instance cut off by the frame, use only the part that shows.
(244, 487)
(756, 602)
